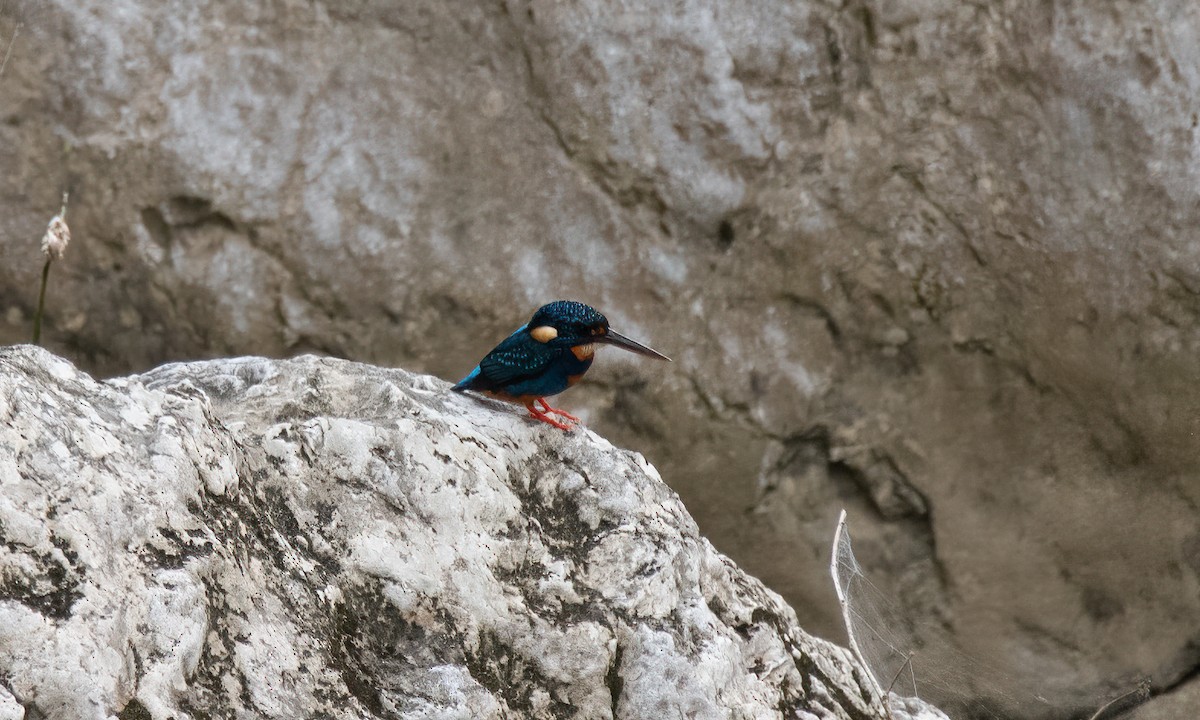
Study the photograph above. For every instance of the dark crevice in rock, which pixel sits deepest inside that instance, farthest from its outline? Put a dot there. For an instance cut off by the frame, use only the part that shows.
(810, 305)
(53, 587)
(913, 178)
(1021, 370)
(139, 668)
(867, 18)
(184, 211)
(356, 655)
(1047, 637)
(210, 682)
(559, 521)
(733, 411)
(177, 548)
(851, 706)
(833, 51)
(33, 712)
(1188, 658)
(134, 710)
(157, 227)
(1118, 441)
(872, 471)
(263, 509)
(511, 676)
(613, 679)
(725, 235)
(889, 490)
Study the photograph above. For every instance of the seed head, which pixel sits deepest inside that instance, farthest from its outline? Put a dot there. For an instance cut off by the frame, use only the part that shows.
(58, 235)
(56, 239)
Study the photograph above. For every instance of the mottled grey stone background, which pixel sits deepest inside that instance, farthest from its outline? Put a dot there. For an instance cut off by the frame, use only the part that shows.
(934, 261)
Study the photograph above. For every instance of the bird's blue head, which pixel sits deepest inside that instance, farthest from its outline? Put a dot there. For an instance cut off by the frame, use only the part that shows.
(567, 323)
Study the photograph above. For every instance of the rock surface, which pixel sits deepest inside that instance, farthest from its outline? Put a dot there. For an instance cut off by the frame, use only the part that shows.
(321, 539)
(930, 260)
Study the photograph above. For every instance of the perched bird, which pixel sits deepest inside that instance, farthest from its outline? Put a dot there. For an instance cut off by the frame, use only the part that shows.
(546, 356)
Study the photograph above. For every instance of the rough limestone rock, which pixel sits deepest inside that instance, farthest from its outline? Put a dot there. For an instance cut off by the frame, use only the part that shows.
(322, 539)
(931, 260)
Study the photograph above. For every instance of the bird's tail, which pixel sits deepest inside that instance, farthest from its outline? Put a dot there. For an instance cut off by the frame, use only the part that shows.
(467, 383)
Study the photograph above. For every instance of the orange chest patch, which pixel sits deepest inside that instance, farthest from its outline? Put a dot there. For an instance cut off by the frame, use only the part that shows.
(584, 352)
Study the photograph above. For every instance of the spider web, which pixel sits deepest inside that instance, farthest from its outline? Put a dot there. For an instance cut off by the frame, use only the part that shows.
(908, 675)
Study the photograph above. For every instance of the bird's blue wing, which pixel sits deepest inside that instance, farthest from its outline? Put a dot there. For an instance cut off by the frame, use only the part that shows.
(518, 358)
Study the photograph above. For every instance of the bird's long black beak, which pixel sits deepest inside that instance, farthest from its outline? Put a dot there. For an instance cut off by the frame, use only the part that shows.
(612, 337)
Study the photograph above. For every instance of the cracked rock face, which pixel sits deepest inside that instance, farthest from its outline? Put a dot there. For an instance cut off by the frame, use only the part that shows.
(932, 261)
(318, 538)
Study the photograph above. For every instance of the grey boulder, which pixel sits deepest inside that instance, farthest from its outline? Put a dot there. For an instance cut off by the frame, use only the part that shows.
(320, 538)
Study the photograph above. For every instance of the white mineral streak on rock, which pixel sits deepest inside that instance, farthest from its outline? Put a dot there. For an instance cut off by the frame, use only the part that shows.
(318, 538)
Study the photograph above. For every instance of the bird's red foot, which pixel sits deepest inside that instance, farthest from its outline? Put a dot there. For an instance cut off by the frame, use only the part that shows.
(556, 411)
(544, 417)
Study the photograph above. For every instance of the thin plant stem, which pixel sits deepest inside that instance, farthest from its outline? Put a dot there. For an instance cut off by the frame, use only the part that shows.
(37, 319)
(12, 41)
(1124, 702)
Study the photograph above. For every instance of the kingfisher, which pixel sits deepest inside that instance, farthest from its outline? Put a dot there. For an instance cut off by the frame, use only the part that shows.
(547, 355)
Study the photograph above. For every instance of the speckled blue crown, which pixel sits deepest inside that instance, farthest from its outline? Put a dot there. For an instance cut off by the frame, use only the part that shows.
(567, 312)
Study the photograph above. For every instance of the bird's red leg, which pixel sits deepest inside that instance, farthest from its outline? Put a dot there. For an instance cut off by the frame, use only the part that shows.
(556, 411)
(544, 417)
